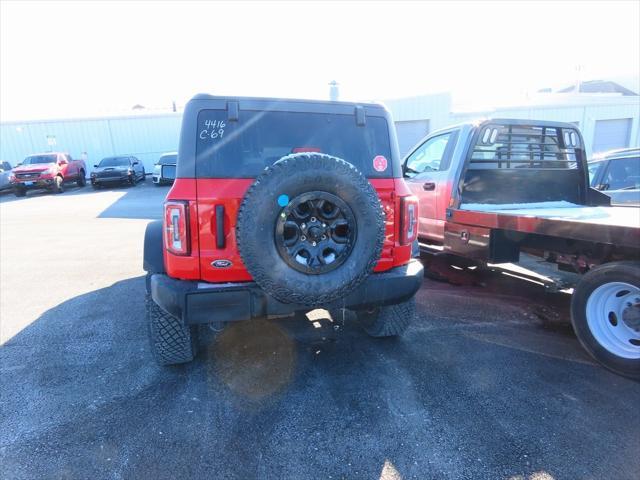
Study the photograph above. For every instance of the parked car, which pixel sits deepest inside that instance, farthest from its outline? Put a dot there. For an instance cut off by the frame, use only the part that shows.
(120, 169)
(492, 190)
(617, 173)
(281, 206)
(164, 171)
(51, 171)
(5, 174)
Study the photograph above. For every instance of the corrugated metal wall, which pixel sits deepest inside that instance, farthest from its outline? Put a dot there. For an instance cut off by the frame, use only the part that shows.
(584, 111)
(585, 116)
(145, 137)
(148, 136)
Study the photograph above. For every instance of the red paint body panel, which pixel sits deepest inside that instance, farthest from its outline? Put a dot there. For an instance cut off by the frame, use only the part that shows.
(205, 194)
(228, 193)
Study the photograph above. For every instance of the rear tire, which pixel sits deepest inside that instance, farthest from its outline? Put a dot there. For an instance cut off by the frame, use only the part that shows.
(605, 313)
(172, 342)
(390, 321)
(82, 180)
(20, 191)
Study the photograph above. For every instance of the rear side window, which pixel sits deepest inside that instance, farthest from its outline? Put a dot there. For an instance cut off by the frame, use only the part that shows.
(243, 148)
(523, 146)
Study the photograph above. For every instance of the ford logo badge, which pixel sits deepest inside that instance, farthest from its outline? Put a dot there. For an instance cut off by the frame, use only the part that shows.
(222, 263)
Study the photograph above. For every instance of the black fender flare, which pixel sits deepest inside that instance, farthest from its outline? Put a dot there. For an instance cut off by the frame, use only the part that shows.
(153, 260)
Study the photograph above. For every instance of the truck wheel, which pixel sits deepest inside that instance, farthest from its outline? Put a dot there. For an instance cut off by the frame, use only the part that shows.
(82, 180)
(310, 229)
(389, 321)
(20, 191)
(57, 186)
(172, 342)
(605, 313)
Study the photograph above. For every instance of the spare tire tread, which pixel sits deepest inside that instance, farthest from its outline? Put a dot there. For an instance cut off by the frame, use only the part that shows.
(248, 250)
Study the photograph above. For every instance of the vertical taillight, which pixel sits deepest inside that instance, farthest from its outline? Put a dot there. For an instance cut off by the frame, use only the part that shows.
(409, 226)
(176, 231)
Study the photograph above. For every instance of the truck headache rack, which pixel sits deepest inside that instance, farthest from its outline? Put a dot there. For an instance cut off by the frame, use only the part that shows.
(521, 161)
(525, 146)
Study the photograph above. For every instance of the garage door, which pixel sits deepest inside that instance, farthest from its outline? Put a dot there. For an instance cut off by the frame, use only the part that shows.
(611, 134)
(409, 133)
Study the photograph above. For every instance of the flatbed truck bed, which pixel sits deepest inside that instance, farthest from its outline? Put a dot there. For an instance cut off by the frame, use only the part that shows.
(600, 224)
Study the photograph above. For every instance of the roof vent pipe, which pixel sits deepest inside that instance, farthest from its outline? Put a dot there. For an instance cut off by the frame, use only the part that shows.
(334, 92)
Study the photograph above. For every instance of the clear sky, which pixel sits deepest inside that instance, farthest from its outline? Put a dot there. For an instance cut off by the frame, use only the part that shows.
(63, 59)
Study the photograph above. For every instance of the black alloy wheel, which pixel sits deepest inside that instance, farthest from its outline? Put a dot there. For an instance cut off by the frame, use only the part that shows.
(315, 232)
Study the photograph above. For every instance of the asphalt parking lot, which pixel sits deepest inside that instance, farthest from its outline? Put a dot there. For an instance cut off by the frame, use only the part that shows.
(489, 382)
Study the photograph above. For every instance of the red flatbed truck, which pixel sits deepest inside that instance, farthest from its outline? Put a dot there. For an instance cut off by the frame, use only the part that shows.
(493, 190)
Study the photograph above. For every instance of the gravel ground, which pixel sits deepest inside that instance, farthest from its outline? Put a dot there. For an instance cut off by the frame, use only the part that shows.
(489, 382)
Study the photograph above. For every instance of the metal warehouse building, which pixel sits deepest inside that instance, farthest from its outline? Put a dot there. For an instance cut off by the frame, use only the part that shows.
(143, 136)
(607, 121)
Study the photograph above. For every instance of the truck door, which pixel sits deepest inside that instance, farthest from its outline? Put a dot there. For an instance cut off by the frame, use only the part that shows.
(426, 172)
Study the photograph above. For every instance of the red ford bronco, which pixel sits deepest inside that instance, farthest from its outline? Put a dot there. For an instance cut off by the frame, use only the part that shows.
(281, 206)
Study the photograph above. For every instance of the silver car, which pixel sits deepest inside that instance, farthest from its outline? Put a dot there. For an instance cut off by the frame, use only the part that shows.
(617, 173)
(5, 173)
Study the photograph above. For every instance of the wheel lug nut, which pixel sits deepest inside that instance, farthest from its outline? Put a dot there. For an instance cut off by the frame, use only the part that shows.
(303, 225)
(313, 243)
(324, 224)
(303, 238)
(313, 219)
(324, 237)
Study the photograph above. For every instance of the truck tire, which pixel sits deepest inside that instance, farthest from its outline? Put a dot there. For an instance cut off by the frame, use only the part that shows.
(82, 179)
(389, 321)
(172, 342)
(19, 191)
(57, 186)
(310, 229)
(605, 313)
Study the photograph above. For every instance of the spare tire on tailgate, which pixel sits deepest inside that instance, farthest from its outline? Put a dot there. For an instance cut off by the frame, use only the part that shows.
(310, 229)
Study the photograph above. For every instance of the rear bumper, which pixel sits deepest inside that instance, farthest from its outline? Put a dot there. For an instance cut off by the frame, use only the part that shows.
(198, 302)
